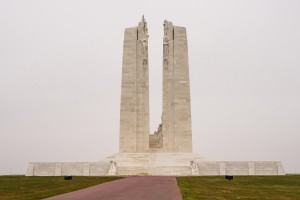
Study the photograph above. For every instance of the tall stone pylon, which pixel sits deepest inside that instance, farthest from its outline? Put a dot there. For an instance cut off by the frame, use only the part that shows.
(176, 117)
(134, 116)
(175, 132)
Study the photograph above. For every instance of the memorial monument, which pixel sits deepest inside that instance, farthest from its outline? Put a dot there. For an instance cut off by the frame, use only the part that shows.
(168, 151)
(174, 134)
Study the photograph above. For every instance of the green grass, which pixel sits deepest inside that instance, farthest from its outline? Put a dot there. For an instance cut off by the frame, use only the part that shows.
(192, 188)
(25, 188)
(241, 187)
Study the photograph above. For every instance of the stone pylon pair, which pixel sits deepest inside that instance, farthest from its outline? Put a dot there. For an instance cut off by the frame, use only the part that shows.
(174, 134)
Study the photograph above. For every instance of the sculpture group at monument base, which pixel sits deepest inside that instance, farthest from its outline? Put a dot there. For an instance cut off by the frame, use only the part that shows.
(155, 164)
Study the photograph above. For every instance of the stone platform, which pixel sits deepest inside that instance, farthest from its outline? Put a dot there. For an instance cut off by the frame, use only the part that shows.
(155, 164)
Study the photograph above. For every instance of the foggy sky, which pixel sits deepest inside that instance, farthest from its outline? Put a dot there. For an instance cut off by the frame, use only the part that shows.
(60, 77)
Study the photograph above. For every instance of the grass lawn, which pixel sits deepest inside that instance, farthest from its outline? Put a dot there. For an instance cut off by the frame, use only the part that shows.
(213, 187)
(241, 187)
(25, 188)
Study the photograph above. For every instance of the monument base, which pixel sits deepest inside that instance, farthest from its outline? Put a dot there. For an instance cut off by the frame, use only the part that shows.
(155, 164)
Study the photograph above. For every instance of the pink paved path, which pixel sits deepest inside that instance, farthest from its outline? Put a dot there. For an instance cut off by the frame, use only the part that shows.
(132, 188)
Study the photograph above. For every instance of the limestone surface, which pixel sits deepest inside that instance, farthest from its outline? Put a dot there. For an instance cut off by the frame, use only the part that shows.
(134, 112)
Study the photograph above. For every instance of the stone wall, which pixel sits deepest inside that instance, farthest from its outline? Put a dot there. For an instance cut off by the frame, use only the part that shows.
(68, 168)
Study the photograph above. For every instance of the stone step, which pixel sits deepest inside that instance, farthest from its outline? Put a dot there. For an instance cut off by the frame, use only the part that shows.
(154, 170)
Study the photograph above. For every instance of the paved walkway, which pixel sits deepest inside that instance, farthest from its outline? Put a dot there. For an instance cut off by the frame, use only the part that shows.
(131, 188)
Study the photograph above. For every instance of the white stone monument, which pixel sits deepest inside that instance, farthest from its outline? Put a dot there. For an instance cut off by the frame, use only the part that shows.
(174, 134)
(169, 150)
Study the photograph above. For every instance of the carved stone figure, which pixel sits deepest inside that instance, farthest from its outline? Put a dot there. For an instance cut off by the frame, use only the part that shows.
(145, 64)
(113, 168)
(165, 28)
(159, 136)
(194, 167)
(145, 26)
(143, 46)
(166, 46)
(166, 64)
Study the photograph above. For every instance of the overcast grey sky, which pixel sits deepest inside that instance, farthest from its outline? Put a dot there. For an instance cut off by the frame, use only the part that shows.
(60, 77)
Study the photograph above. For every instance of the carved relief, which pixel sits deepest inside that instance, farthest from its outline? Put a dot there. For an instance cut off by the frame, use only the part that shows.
(144, 69)
(143, 48)
(145, 63)
(143, 38)
(167, 68)
(166, 64)
(166, 46)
